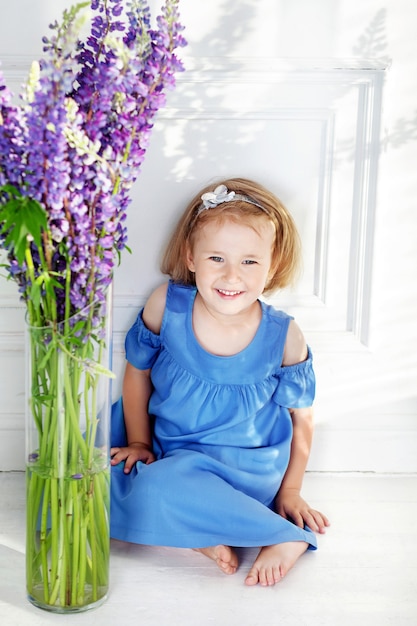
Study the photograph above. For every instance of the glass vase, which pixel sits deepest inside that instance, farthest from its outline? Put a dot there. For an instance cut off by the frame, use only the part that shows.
(68, 460)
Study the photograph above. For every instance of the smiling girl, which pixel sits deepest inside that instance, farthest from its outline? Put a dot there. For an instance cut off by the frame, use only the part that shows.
(212, 434)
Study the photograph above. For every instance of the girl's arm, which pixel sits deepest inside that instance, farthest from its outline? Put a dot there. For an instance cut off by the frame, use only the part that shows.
(288, 501)
(137, 389)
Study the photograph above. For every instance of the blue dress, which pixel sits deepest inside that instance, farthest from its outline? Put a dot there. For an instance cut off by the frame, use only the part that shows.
(222, 436)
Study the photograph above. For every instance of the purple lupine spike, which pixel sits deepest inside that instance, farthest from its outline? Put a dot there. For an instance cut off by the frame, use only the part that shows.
(12, 149)
(77, 147)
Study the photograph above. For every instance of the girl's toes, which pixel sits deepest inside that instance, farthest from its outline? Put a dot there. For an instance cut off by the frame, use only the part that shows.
(252, 578)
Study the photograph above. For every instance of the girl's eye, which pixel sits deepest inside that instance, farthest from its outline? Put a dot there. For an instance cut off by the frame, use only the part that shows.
(216, 259)
(249, 262)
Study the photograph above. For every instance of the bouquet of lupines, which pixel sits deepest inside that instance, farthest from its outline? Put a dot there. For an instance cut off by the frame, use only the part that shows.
(69, 154)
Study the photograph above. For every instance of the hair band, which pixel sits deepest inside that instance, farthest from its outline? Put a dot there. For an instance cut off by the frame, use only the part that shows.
(221, 194)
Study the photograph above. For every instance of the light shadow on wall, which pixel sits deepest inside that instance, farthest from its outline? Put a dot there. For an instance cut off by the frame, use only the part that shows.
(373, 44)
(234, 21)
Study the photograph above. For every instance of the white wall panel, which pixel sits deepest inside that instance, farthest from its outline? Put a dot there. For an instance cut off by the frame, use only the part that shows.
(291, 94)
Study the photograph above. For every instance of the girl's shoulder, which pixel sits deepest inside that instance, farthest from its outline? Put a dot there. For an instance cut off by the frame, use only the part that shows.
(294, 346)
(154, 309)
(295, 349)
(175, 297)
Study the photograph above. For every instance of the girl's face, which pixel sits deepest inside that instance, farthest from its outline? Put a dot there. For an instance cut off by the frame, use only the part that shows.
(231, 262)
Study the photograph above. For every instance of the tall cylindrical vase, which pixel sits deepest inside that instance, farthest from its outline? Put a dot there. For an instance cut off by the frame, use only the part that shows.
(68, 462)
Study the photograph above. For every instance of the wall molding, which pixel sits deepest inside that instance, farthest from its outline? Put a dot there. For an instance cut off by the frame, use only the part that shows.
(366, 76)
(364, 204)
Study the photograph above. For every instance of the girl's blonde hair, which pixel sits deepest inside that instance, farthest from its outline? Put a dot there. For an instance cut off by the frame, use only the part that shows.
(286, 252)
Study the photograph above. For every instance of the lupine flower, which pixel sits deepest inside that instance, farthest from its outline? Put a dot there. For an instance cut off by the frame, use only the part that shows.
(76, 145)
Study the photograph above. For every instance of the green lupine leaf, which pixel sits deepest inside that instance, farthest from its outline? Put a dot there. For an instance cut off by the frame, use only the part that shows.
(75, 342)
(97, 368)
(36, 292)
(49, 352)
(11, 190)
(21, 217)
(50, 284)
(43, 398)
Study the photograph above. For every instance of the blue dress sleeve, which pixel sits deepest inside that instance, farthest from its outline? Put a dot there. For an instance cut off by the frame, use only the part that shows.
(142, 345)
(296, 385)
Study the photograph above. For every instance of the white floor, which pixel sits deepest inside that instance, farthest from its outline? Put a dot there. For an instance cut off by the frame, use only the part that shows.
(364, 573)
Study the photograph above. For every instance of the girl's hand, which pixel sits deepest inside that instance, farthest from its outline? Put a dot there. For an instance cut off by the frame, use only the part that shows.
(131, 454)
(290, 505)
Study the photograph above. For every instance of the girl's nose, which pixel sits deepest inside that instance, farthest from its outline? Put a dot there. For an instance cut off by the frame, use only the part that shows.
(231, 273)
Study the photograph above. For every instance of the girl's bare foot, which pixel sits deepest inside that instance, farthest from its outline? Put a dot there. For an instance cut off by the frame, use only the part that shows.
(224, 556)
(273, 562)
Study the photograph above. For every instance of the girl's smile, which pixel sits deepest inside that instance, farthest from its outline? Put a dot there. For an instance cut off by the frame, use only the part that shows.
(225, 293)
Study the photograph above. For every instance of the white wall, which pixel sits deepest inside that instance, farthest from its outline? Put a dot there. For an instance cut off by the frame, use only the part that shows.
(276, 90)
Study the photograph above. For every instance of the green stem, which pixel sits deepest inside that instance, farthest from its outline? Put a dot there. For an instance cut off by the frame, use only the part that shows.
(102, 505)
(92, 381)
(67, 299)
(34, 492)
(76, 553)
(54, 529)
(58, 588)
(44, 537)
(93, 539)
(49, 385)
(73, 414)
(83, 560)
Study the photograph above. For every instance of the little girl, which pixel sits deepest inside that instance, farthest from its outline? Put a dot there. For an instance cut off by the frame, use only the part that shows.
(213, 431)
